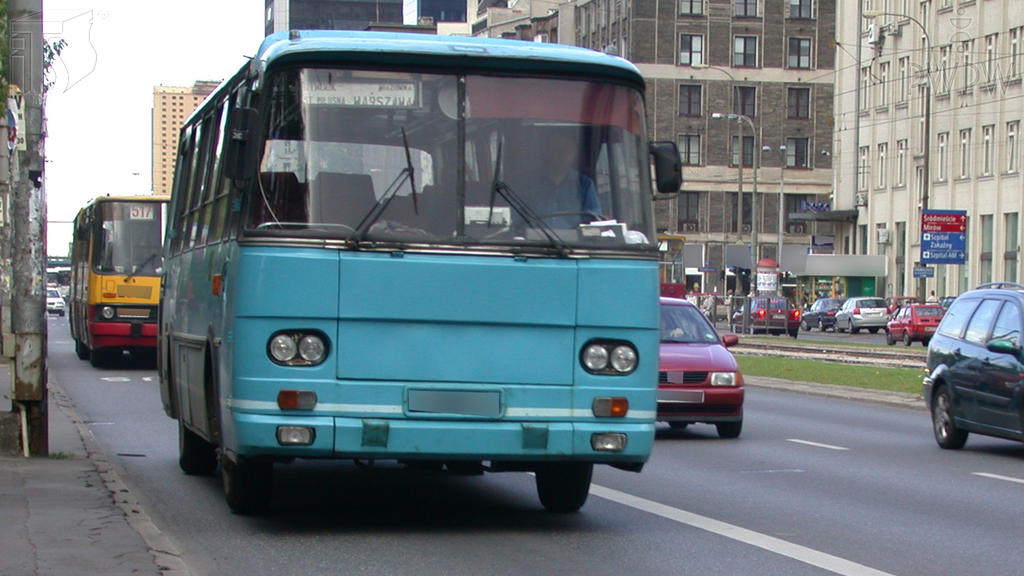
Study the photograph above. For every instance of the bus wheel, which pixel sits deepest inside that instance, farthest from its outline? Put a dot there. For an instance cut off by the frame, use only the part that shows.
(247, 485)
(81, 350)
(196, 456)
(564, 487)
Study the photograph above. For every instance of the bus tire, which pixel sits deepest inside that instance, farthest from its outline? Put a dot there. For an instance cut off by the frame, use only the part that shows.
(563, 488)
(247, 485)
(81, 350)
(196, 456)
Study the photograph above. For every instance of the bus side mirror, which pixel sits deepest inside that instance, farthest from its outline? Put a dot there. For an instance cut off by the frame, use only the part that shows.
(240, 152)
(668, 175)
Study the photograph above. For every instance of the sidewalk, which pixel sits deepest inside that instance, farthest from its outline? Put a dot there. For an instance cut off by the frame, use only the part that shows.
(59, 514)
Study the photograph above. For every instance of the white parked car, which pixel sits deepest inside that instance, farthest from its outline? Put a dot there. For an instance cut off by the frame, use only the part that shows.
(54, 302)
(865, 312)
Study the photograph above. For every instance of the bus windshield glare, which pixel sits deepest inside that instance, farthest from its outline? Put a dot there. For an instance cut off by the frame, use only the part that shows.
(128, 241)
(454, 160)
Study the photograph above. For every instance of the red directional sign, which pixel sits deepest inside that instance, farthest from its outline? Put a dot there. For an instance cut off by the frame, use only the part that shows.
(944, 221)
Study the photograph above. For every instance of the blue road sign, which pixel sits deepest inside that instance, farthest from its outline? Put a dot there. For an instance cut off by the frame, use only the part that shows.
(943, 247)
(924, 272)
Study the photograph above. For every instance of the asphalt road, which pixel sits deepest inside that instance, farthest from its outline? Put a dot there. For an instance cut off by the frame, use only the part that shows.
(813, 486)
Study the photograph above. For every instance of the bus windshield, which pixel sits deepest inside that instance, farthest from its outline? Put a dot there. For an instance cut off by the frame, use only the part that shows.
(453, 159)
(128, 240)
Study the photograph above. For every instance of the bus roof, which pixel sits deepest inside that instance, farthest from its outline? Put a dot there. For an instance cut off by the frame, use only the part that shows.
(531, 56)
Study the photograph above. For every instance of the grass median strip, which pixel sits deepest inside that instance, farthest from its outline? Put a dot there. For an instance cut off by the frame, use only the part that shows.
(819, 372)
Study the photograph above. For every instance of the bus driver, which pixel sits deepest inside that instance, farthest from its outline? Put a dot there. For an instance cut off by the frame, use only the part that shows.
(559, 189)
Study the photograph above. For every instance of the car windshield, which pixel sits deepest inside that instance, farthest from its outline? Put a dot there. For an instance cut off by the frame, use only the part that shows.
(129, 240)
(773, 303)
(52, 294)
(871, 303)
(686, 325)
(451, 159)
(928, 311)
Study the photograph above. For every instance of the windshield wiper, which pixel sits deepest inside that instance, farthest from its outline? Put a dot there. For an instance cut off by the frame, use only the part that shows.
(498, 187)
(141, 266)
(407, 173)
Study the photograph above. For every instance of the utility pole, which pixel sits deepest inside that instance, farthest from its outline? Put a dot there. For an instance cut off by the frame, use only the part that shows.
(28, 217)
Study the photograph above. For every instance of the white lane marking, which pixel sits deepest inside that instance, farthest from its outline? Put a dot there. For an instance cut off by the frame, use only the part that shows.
(998, 477)
(815, 444)
(788, 549)
(116, 379)
(148, 379)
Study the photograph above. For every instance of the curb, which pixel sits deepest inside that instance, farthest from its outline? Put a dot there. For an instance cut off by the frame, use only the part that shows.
(898, 399)
(165, 554)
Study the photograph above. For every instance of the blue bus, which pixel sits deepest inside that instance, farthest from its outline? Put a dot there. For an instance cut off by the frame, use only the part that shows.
(431, 250)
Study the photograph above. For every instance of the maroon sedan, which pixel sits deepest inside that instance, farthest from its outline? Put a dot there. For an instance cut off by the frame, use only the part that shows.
(698, 379)
(916, 322)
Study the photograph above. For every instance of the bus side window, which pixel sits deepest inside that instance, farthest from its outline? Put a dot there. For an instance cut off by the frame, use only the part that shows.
(199, 186)
(181, 196)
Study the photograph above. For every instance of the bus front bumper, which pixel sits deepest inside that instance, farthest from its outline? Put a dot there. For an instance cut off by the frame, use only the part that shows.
(123, 334)
(414, 439)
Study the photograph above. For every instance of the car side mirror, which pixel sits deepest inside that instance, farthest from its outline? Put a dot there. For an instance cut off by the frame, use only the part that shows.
(240, 146)
(1003, 346)
(730, 340)
(668, 174)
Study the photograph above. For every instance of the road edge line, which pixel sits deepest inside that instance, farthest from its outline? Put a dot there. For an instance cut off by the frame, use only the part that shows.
(168, 559)
(836, 391)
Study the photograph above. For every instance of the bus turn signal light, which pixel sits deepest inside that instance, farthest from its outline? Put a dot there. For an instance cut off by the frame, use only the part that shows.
(296, 399)
(605, 407)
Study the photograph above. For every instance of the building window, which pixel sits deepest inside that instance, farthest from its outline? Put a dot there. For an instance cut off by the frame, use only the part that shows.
(689, 149)
(1010, 251)
(991, 41)
(689, 208)
(883, 151)
(987, 235)
(966, 51)
(865, 87)
(943, 166)
(797, 153)
(1012, 129)
(690, 100)
(883, 84)
(799, 103)
(691, 49)
(799, 8)
(744, 51)
(748, 151)
(862, 168)
(986, 149)
(1015, 34)
(904, 79)
(691, 6)
(965, 153)
(746, 7)
(744, 101)
(944, 69)
(901, 162)
(799, 52)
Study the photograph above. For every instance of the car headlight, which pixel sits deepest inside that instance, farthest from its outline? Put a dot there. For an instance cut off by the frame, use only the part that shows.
(312, 348)
(724, 379)
(283, 348)
(107, 312)
(623, 359)
(298, 348)
(595, 358)
(614, 358)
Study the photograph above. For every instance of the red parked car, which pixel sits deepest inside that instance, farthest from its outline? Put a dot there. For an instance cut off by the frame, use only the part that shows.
(768, 316)
(698, 379)
(894, 303)
(916, 322)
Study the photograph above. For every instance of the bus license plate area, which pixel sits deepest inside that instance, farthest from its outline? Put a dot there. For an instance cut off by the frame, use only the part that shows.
(476, 403)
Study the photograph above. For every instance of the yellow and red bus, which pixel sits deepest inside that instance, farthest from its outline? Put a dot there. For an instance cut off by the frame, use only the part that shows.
(116, 260)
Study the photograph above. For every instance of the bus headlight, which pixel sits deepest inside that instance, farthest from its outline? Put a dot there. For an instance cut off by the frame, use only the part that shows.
(624, 359)
(595, 358)
(107, 312)
(297, 348)
(312, 349)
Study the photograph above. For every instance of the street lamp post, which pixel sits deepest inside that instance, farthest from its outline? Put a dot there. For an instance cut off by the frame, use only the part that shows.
(754, 226)
(926, 145)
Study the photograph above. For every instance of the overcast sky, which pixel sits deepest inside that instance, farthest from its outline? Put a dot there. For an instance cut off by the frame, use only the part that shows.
(99, 113)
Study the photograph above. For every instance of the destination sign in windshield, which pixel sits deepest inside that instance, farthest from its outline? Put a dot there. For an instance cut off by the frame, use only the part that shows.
(355, 94)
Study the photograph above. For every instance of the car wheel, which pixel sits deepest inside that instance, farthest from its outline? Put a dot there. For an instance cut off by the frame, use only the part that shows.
(821, 325)
(837, 327)
(873, 330)
(805, 326)
(61, 313)
(729, 429)
(906, 339)
(563, 488)
(889, 339)
(678, 425)
(81, 350)
(947, 434)
(196, 456)
(248, 485)
(853, 329)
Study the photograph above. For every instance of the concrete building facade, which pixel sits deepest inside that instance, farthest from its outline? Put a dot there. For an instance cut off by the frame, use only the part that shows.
(962, 59)
(171, 106)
